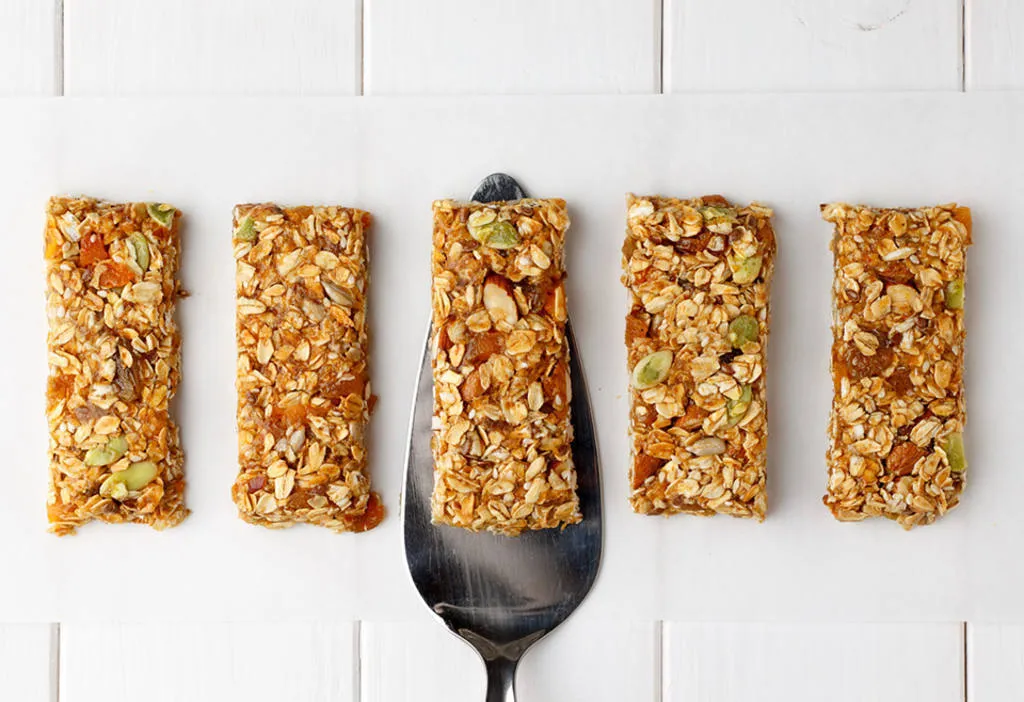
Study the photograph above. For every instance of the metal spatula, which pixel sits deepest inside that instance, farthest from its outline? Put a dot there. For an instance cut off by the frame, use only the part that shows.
(502, 594)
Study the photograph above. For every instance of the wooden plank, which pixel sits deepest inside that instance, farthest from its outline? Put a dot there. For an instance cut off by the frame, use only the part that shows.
(594, 659)
(995, 662)
(582, 659)
(797, 45)
(494, 47)
(212, 662)
(212, 47)
(812, 662)
(28, 47)
(27, 663)
(994, 44)
(419, 661)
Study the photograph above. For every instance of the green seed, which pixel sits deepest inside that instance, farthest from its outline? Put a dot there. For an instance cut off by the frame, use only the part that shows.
(99, 456)
(139, 474)
(135, 477)
(711, 213)
(736, 409)
(499, 235)
(652, 369)
(246, 230)
(953, 447)
(745, 270)
(718, 219)
(141, 249)
(107, 454)
(117, 490)
(742, 330)
(161, 214)
(955, 294)
(118, 445)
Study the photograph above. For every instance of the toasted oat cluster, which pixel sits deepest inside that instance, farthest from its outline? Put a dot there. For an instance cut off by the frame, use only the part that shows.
(303, 386)
(895, 434)
(698, 274)
(502, 433)
(114, 359)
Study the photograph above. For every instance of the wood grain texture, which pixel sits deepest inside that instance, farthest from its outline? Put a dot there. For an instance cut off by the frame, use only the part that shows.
(309, 661)
(813, 662)
(584, 659)
(815, 45)
(995, 658)
(28, 47)
(496, 47)
(994, 44)
(212, 47)
(26, 663)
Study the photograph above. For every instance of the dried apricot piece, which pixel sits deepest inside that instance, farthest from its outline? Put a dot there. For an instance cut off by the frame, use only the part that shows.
(644, 467)
(92, 249)
(115, 275)
(482, 346)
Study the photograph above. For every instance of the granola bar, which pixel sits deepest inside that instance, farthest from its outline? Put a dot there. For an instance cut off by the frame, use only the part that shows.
(895, 434)
(502, 432)
(303, 386)
(698, 274)
(114, 364)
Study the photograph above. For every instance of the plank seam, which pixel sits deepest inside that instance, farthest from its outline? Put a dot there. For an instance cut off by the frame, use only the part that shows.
(55, 662)
(963, 46)
(661, 47)
(58, 49)
(660, 668)
(361, 21)
(357, 662)
(966, 668)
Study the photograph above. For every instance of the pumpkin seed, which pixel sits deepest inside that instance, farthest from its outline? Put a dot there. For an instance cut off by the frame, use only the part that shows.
(246, 230)
(744, 270)
(161, 214)
(953, 447)
(652, 369)
(742, 330)
(140, 247)
(955, 294)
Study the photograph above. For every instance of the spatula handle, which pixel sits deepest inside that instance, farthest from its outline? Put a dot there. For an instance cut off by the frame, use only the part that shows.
(501, 680)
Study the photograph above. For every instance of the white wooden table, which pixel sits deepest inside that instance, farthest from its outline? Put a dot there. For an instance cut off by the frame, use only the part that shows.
(402, 47)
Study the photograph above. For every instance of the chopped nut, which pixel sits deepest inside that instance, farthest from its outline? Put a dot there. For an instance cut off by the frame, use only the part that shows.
(903, 456)
(336, 294)
(708, 446)
(498, 299)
